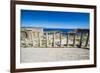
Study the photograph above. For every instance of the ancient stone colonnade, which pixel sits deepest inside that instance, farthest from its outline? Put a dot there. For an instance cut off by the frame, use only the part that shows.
(36, 37)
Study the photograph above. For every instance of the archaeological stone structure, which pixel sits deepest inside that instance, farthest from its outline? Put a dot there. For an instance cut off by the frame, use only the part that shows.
(28, 34)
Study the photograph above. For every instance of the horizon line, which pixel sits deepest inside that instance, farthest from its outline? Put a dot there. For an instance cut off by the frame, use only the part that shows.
(52, 28)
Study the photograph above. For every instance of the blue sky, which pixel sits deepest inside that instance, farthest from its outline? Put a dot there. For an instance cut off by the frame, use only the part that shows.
(50, 19)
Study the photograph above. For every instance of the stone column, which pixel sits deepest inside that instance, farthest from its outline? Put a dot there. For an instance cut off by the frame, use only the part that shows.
(87, 39)
(60, 39)
(73, 39)
(67, 39)
(46, 39)
(53, 40)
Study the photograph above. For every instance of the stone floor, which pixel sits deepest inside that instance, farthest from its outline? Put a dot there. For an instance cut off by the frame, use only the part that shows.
(53, 54)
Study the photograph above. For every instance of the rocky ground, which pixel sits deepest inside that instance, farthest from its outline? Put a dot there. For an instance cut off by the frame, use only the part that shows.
(53, 54)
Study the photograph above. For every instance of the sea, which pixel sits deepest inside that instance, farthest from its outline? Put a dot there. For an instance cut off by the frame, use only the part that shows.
(58, 30)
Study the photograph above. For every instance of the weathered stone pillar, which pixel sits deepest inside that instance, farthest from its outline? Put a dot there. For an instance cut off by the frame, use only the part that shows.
(87, 39)
(73, 39)
(67, 40)
(81, 40)
(38, 39)
(46, 39)
(60, 39)
(53, 40)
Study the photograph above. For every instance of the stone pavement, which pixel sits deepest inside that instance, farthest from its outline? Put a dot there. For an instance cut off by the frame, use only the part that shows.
(29, 55)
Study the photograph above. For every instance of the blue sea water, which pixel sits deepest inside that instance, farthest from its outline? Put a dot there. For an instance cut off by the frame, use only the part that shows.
(57, 29)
